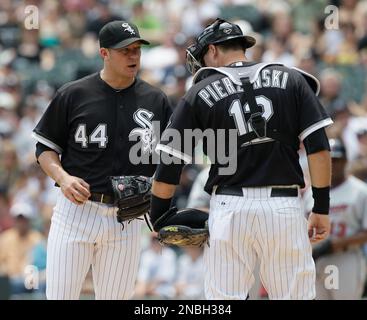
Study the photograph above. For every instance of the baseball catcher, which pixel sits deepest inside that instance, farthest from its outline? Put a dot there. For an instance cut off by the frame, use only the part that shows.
(183, 228)
(132, 196)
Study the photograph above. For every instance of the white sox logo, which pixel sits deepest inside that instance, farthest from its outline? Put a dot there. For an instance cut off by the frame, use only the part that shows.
(147, 137)
(128, 28)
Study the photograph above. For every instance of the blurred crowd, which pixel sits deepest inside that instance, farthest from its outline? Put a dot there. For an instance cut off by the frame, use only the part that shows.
(329, 43)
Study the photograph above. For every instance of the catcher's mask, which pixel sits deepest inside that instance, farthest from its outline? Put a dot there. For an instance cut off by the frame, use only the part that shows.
(219, 31)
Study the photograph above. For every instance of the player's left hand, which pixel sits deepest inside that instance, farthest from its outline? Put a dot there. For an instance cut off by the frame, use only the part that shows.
(318, 227)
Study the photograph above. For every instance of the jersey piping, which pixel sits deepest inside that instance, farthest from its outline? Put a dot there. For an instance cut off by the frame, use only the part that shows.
(174, 152)
(47, 142)
(316, 126)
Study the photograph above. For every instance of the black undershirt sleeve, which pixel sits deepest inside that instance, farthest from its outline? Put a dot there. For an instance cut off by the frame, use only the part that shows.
(158, 207)
(41, 148)
(316, 141)
(169, 173)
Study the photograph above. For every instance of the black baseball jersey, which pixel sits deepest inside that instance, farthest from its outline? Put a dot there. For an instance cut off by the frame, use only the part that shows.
(288, 104)
(93, 126)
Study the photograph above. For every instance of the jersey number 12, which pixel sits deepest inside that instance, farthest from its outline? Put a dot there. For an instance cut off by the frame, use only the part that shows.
(237, 111)
(97, 136)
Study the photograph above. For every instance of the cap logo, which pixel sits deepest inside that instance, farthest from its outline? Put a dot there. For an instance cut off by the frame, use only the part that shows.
(227, 30)
(128, 28)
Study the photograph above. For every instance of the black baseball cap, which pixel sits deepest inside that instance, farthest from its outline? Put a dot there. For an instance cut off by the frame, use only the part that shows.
(119, 34)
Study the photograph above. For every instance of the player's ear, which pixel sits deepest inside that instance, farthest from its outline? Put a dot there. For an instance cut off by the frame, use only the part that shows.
(212, 50)
(104, 53)
(215, 51)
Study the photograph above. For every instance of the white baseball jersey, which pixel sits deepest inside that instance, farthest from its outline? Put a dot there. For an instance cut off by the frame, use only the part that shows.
(258, 226)
(348, 216)
(89, 235)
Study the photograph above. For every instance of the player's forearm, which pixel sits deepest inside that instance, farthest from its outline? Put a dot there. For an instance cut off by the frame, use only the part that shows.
(162, 194)
(163, 190)
(320, 173)
(319, 164)
(167, 176)
(51, 165)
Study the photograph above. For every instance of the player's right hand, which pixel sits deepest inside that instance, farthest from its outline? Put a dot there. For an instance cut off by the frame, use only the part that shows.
(318, 227)
(75, 189)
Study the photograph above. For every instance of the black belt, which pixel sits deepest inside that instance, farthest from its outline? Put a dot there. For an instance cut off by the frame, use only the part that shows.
(275, 191)
(102, 198)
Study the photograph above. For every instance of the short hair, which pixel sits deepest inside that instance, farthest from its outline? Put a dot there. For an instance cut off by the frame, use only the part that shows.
(232, 44)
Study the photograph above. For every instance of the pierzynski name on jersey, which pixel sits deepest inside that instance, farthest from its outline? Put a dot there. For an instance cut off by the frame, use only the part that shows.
(222, 88)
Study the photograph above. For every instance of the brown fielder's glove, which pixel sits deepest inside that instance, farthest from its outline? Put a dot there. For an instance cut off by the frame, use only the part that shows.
(132, 196)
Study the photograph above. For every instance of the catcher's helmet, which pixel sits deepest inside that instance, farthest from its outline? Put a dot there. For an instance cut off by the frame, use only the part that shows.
(337, 149)
(219, 31)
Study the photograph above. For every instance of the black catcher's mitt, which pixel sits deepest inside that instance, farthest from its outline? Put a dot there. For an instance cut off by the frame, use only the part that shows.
(184, 228)
(132, 196)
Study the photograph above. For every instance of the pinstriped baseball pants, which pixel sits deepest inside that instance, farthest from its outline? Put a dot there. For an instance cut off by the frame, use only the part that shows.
(257, 226)
(89, 235)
